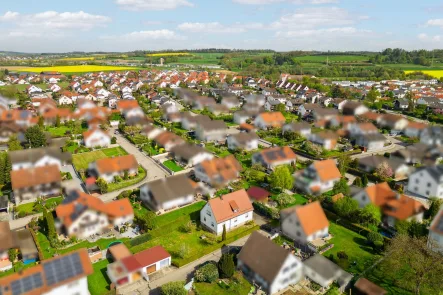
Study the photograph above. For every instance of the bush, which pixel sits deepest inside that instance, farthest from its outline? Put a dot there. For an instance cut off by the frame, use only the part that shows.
(124, 194)
(226, 266)
(207, 273)
(188, 227)
(342, 255)
(117, 179)
(113, 140)
(140, 239)
(283, 200)
(173, 288)
(266, 211)
(374, 237)
(210, 239)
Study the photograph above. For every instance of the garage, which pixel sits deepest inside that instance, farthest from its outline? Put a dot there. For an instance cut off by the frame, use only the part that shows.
(151, 269)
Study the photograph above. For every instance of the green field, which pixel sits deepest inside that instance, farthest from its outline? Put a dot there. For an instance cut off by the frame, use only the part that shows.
(74, 69)
(200, 59)
(30, 208)
(98, 282)
(332, 58)
(236, 286)
(81, 161)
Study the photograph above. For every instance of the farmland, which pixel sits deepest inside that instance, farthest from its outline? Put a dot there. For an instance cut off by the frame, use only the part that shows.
(169, 54)
(75, 69)
(435, 73)
(333, 58)
(77, 58)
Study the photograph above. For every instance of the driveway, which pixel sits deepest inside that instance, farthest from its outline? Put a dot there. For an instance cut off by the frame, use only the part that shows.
(75, 183)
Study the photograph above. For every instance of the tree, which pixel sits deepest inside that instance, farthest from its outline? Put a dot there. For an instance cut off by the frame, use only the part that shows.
(358, 182)
(57, 121)
(284, 200)
(224, 233)
(3, 157)
(8, 169)
(207, 273)
(226, 266)
(41, 122)
(102, 184)
(372, 95)
(364, 180)
(280, 108)
(416, 262)
(384, 170)
(343, 163)
(35, 137)
(281, 178)
(434, 206)
(14, 144)
(371, 214)
(341, 187)
(173, 288)
(346, 207)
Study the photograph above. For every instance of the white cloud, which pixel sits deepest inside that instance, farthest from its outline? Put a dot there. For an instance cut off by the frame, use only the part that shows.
(9, 16)
(430, 39)
(52, 20)
(216, 27)
(265, 2)
(150, 35)
(348, 31)
(135, 5)
(435, 22)
(316, 17)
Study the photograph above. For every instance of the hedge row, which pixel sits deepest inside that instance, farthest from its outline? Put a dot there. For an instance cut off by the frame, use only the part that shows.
(265, 210)
(39, 250)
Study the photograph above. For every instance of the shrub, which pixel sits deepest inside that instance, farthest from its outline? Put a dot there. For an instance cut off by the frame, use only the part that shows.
(188, 227)
(374, 237)
(283, 200)
(266, 211)
(173, 288)
(207, 273)
(210, 239)
(342, 255)
(113, 140)
(117, 179)
(226, 267)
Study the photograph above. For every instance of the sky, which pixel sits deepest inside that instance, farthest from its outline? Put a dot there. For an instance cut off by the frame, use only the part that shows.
(282, 25)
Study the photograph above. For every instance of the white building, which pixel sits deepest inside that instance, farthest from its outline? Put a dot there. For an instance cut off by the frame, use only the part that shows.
(427, 182)
(96, 138)
(267, 264)
(435, 238)
(243, 141)
(318, 178)
(229, 211)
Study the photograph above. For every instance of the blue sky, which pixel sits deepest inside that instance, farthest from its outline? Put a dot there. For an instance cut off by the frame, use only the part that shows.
(284, 25)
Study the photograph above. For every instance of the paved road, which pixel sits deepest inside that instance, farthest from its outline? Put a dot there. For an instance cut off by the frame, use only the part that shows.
(76, 182)
(22, 222)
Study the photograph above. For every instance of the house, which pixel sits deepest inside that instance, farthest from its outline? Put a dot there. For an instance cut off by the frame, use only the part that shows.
(307, 108)
(305, 224)
(414, 129)
(228, 211)
(326, 139)
(398, 167)
(401, 104)
(371, 142)
(432, 135)
(394, 206)
(354, 108)
(427, 182)
(230, 102)
(129, 108)
(357, 129)
(258, 99)
(151, 131)
(319, 177)
(269, 120)
(302, 128)
(267, 264)
(39, 157)
(52, 276)
(214, 130)
(258, 194)
(190, 121)
(365, 287)
(435, 237)
(8, 129)
(273, 157)
(324, 272)
(109, 168)
(96, 138)
(318, 114)
(393, 122)
(30, 183)
(243, 141)
(82, 215)
(417, 153)
(189, 155)
(218, 171)
(128, 268)
(168, 140)
(168, 193)
(8, 242)
(26, 243)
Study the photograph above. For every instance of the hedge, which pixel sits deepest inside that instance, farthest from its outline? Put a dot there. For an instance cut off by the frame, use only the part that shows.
(265, 210)
(39, 250)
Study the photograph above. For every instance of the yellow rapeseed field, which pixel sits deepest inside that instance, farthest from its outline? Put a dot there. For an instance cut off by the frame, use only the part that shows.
(169, 54)
(75, 69)
(434, 73)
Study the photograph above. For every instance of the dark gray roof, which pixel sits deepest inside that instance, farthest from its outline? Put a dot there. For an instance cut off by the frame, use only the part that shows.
(263, 256)
(213, 125)
(4, 202)
(244, 137)
(374, 161)
(171, 188)
(436, 172)
(374, 137)
(187, 151)
(297, 126)
(33, 155)
(327, 269)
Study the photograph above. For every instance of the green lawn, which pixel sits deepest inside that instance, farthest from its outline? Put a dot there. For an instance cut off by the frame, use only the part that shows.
(58, 131)
(29, 208)
(125, 183)
(332, 58)
(170, 217)
(98, 282)
(236, 286)
(355, 247)
(81, 161)
(172, 165)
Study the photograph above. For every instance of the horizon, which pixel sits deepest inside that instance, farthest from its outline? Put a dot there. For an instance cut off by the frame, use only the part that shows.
(280, 25)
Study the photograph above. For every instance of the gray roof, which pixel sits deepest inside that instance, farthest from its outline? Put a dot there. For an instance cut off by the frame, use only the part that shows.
(374, 137)
(213, 125)
(170, 188)
(298, 126)
(26, 242)
(375, 161)
(187, 151)
(436, 172)
(4, 202)
(327, 269)
(263, 256)
(33, 155)
(244, 137)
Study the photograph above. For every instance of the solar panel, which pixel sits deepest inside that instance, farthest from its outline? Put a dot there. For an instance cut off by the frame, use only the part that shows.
(63, 269)
(26, 284)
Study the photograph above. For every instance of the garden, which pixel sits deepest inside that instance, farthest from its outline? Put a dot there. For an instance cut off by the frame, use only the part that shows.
(37, 206)
(131, 180)
(81, 161)
(172, 165)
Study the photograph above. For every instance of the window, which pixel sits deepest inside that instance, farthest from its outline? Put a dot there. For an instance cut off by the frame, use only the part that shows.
(363, 198)
(417, 181)
(209, 213)
(427, 193)
(204, 218)
(212, 224)
(416, 189)
(298, 234)
(429, 184)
